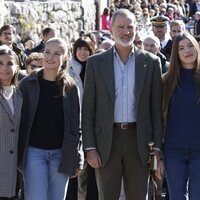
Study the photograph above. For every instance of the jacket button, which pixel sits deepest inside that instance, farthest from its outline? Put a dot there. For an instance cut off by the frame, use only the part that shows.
(11, 151)
(12, 130)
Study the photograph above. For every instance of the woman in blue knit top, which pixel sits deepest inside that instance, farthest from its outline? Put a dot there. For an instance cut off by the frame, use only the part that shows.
(181, 111)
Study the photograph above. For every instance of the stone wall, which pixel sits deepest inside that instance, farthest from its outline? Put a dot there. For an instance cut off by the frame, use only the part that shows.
(67, 17)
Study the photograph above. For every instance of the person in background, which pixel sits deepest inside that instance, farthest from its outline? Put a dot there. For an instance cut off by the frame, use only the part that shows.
(49, 142)
(33, 62)
(160, 30)
(7, 37)
(197, 23)
(29, 44)
(181, 112)
(105, 19)
(194, 7)
(197, 37)
(121, 112)
(126, 5)
(106, 44)
(152, 44)
(82, 49)
(176, 27)
(94, 39)
(138, 41)
(10, 109)
(47, 34)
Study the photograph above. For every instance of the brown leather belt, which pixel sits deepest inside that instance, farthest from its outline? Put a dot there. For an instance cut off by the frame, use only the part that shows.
(125, 125)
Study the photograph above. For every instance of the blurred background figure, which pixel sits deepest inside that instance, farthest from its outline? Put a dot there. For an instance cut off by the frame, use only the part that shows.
(197, 37)
(29, 44)
(177, 27)
(106, 44)
(47, 33)
(7, 37)
(33, 61)
(197, 23)
(105, 19)
(152, 44)
(138, 41)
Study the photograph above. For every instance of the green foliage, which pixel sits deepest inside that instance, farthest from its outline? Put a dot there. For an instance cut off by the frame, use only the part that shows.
(27, 24)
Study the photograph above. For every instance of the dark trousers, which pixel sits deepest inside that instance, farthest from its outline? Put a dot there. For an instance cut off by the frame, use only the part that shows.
(87, 189)
(92, 192)
(123, 162)
(72, 189)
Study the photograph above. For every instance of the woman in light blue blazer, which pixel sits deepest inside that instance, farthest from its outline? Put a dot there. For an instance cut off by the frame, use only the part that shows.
(10, 109)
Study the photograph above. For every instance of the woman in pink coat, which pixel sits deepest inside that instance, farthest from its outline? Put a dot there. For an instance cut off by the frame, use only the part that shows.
(105, 19)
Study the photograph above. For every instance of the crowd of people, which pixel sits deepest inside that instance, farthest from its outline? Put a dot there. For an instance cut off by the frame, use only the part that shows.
(76, 123)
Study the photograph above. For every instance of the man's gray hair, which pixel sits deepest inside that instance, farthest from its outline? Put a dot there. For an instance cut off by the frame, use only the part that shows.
(122, 12)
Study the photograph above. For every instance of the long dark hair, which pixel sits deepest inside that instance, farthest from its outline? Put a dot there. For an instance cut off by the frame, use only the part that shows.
(4, 50)
(171, 78)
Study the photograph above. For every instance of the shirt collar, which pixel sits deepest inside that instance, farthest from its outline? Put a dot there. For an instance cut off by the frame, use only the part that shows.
(131, 54)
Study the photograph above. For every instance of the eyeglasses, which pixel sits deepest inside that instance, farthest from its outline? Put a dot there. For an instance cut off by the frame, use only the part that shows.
(137, 42)
(35, 66)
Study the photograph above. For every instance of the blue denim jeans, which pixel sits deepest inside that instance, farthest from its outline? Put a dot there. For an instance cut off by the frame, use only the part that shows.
(182, 168)
(41, 178)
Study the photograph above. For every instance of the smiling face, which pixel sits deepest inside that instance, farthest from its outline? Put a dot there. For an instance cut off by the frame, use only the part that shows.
(53, 56)
(187, 53)
(82, 53)
(123, 31)
(8, 68)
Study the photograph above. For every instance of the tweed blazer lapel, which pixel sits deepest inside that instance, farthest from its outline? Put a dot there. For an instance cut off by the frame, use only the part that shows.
(140, 72)
(6, 107)
(107, 69)
(17, 100)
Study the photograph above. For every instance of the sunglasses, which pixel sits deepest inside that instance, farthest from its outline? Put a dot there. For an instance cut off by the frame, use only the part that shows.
(137, 42)
(35, 66)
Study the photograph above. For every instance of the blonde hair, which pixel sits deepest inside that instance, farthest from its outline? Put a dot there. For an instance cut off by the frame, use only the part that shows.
(63, 79)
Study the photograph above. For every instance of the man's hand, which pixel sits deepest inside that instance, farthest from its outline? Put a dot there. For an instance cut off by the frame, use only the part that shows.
(93, 158)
